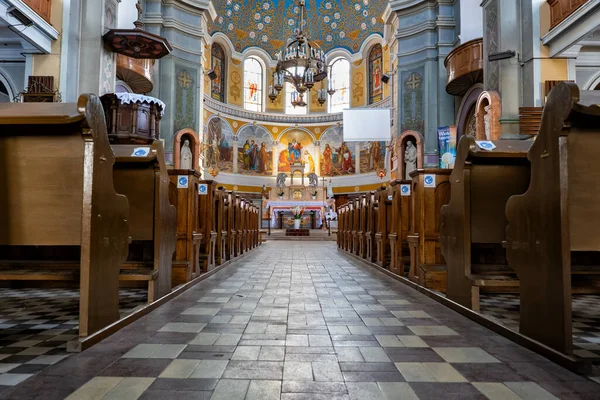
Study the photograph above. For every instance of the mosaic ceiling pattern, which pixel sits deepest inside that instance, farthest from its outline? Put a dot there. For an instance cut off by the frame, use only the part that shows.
(268, 23)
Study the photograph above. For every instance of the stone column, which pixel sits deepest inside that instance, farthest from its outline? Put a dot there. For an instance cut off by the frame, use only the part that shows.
(275, 158)
(502, 32)
(317, 157)
(92, 56)
(357, 157)
(235, 154)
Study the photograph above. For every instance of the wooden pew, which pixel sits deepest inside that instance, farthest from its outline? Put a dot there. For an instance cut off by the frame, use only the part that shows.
(473, 223)
(237, 226)
(230, 202)
(220, 224)
(356, 214)
(341, 227)
(183, 194)
(350, 226)
(140, 173)
(371, 227)
(552, 238)
(400, 225)
(427, 265)
(383, 228)
(362, 232)
(206, 205)
(60, 216)
(254, 222)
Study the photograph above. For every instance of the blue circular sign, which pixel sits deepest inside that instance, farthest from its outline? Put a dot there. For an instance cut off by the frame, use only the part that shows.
(486, 145)
(404, 189)
(140, 153)
(183, 181)
(202, 188)
(428, 180)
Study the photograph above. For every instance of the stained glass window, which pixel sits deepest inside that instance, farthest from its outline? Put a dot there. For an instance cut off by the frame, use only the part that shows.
(217, 86)
(253, 85)
(290, 92)
(375, 74)
(340, 81)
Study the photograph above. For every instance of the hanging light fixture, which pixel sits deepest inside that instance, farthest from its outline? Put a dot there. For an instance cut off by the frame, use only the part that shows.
(301, 63)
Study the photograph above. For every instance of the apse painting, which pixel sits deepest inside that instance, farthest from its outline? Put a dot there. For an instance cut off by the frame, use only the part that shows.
(218, 150)
(255, 154)
(296, 147)
(372, 156)
(337, 157)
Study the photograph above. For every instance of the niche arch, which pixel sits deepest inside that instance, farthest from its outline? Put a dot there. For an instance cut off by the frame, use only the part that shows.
(180, 137)
(418, 140)
(492, 100)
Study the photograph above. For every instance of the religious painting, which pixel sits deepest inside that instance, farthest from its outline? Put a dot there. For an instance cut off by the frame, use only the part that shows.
(218, 147)
(412, 106)
(372, 156)
(185, 98)
(217, 85)
(337, 157)
(375, 74)
(296, 147)
(255, 151)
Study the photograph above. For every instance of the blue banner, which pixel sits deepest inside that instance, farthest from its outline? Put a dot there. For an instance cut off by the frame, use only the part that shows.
(447, 142)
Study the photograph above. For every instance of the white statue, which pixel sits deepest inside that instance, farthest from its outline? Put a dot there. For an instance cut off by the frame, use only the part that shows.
(410, 159)
(486, 121)
(330, 189)
(186, 156)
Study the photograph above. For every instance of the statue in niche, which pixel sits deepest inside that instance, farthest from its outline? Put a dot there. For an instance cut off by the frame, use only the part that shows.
(486, 121)
(186, 160)
(410, 159)
(330, 189)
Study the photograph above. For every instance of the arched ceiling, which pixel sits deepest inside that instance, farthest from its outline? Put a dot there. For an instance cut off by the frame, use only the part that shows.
(268, 23)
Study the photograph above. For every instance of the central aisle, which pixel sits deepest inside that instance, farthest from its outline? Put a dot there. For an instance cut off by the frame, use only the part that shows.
(300, 321)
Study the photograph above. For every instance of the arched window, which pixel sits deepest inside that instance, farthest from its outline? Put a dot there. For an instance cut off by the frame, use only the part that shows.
(339, 77)
(253, 85)
(217, 85)
(290, 91)
(375, 74)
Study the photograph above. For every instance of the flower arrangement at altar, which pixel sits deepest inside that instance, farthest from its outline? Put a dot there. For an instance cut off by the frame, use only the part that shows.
(297, 212)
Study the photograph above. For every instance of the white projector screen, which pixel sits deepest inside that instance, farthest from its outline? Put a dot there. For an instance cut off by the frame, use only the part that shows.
(367, 125)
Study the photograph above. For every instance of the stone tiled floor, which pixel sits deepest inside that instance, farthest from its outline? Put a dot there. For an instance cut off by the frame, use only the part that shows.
(301, 321)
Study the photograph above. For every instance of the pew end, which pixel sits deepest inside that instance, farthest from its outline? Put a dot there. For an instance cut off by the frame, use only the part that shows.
(140, 173)
(61, 219)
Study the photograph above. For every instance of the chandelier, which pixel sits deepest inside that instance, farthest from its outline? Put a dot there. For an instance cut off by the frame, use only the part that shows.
(302, 64)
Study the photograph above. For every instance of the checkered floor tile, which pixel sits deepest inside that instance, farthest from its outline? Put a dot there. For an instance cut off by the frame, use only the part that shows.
(36, 324)
(504, 308)
(300, 320)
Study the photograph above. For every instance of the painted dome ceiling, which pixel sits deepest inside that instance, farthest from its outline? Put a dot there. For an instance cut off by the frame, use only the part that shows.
(268, 23)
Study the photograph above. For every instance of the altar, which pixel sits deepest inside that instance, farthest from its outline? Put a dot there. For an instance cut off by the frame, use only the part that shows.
(282, 218)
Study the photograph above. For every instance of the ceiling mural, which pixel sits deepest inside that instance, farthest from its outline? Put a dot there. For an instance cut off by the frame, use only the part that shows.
(268, 23)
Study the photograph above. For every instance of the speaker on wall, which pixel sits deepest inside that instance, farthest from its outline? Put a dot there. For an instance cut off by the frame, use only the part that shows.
(385, 78)
(212, 74)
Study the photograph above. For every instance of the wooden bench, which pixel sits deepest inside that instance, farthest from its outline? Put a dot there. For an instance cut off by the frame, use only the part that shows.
(362, 222)
(183, 193)
(140, 173)
(473, 223)
(341, 227)
(552, 238)
(220, 222)
(430, 191)
(229, 206)
(384, 228)
(206, 222)
(60, 216)
(372, 220)
(400, 225)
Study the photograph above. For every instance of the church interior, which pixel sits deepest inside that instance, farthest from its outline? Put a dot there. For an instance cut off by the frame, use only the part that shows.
(299, 199)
